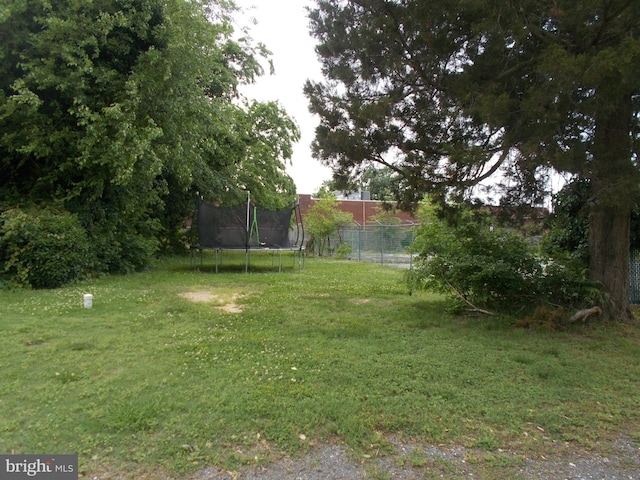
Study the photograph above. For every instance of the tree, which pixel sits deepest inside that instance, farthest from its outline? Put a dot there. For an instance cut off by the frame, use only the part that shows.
(448, 93)
(381, 182)
(118, 111)
(324, 219)
(268, 134)
(326, 189)
(569, 224)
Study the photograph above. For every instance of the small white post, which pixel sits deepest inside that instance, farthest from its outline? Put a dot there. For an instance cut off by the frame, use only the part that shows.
(88, 300)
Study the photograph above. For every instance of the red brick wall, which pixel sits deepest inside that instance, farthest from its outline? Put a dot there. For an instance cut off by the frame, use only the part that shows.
(362, 210)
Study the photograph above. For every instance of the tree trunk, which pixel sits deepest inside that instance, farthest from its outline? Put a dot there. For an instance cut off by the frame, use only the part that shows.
(614, 181)
(609, 239)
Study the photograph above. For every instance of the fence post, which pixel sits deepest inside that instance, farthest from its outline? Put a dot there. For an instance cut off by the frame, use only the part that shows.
(413, 237)
(381, 238)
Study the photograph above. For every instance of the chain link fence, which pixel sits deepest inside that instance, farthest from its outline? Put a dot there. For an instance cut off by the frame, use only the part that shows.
(378, 243)
(634, 277)
(388, 245)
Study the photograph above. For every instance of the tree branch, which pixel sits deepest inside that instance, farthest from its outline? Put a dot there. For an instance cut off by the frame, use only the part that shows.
(584, 314)
(494, 168)
(464, 299)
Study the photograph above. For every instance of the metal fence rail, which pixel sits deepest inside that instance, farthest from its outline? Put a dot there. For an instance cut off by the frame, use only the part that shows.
(378, 243)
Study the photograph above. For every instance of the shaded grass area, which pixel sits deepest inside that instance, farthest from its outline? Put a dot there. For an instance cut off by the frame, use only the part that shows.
(338, 352)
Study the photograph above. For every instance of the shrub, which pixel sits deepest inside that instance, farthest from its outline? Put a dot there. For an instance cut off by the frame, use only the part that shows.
(486, 267)
(344, 250)
(43, 247)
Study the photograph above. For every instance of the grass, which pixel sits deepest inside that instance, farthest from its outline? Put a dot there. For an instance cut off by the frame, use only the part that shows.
(339, 352)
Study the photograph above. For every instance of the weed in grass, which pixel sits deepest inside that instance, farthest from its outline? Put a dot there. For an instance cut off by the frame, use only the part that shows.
(486, 441)
(81, 346)
(375, 472)
(432, 463)
(495, 459)
(546, 370)
(66, 376)
(417, 458)
(133, 415)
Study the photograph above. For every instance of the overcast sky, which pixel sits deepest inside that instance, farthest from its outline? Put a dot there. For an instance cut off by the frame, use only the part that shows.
(282, 25)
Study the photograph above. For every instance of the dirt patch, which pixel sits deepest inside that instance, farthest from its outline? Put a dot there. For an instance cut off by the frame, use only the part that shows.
(225, 301)
(198, 297)
(362, 301)
(232, 307)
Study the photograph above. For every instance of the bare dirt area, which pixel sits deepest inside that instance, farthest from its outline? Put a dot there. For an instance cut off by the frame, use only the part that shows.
(616, 460)
(225, 302)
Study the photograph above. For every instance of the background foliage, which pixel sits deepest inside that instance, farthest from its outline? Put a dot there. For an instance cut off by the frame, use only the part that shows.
(568, 226)
(119, 111)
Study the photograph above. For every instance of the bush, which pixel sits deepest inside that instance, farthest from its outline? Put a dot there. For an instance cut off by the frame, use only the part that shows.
(344, 250)
(43, 247)
(492, 268)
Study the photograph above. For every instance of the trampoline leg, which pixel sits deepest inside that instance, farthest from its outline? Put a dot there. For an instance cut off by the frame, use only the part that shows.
(194, 260)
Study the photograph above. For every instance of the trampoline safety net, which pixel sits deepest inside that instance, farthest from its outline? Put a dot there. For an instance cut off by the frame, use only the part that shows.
(243, 227)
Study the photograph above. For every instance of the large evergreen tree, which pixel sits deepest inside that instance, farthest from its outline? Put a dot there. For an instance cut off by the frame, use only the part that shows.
(119, 110)
(447, 93)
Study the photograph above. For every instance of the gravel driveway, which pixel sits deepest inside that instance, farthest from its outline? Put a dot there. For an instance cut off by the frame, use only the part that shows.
(331, 462)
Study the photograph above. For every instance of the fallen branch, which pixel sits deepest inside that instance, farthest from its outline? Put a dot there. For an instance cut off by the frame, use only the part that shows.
(584, 314)
(464, 299)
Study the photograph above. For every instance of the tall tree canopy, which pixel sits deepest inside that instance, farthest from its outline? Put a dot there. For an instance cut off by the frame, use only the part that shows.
(119, 110)
(381, 182)
(447, 93)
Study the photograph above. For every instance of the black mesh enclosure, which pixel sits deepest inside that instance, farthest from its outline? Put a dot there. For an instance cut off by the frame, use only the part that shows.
(222, 227)
(227, 227)
(272, 228)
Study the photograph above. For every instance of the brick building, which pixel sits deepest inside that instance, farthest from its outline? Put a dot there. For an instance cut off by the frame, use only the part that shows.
(362, 210)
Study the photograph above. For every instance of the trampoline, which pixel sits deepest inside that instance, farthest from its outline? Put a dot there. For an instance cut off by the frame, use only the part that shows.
(249, 228)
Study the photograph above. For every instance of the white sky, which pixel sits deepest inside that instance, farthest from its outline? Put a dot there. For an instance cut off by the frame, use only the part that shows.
(282, 25)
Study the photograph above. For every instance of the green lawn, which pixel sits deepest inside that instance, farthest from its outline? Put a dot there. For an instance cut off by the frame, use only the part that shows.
(339, 352)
